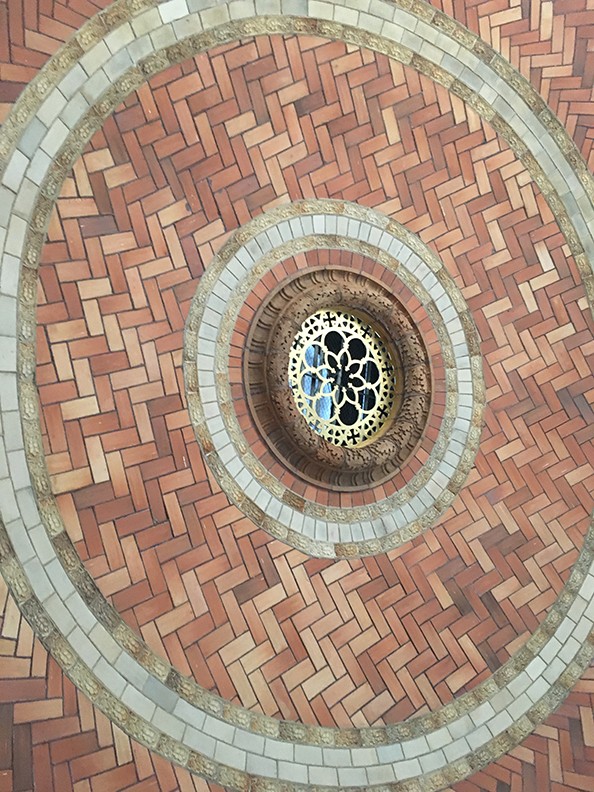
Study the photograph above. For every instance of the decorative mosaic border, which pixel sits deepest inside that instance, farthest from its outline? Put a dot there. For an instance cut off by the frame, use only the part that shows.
(50, 124)
(247, 256)
(269, 417)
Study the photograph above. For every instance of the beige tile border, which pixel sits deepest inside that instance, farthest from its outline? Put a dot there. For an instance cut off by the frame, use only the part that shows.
(56, 115)
(312, 528)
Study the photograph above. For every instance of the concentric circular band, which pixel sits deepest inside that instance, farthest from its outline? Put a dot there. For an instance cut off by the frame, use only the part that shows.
(43, 136)
(247, 256)
(267, 411)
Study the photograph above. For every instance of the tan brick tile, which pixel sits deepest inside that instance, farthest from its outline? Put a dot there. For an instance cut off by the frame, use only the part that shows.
(385, 175)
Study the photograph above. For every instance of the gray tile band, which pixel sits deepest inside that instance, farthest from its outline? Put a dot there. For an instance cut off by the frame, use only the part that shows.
(265, 242)
(457, 743)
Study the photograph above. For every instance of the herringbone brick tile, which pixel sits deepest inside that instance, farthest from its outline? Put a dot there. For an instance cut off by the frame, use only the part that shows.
(558, 756)
(52, 739)
(550, 43)
(358, 642)
(29, 33)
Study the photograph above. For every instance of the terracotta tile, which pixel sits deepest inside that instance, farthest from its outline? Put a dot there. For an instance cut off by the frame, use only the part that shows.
(465, 195)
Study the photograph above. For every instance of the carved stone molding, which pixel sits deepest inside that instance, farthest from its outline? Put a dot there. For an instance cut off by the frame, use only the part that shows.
(271, 402)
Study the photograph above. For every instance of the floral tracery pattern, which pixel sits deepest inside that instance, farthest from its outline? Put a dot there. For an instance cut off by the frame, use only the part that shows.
(342, 377)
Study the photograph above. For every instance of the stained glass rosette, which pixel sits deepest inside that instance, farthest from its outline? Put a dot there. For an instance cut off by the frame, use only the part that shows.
(342, 377)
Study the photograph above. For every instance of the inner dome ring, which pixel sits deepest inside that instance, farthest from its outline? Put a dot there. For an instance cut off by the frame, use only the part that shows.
(266, 362)
(245, 258)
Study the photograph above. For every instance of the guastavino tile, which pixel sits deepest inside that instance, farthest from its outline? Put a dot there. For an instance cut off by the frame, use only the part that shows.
(391, 515)
(506, 336)
(223, 520)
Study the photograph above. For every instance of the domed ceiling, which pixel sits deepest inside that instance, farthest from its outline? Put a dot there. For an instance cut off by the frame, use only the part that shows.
(296, 357)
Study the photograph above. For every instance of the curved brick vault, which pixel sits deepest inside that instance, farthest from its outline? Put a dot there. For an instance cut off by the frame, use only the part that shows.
(196, 152)
(337, 643)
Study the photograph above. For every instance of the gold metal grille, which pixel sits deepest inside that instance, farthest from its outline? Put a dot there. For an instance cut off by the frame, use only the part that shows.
(341, 374)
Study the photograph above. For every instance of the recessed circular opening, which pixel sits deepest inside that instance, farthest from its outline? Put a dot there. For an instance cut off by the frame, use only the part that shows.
(337, 376)
(342, 377)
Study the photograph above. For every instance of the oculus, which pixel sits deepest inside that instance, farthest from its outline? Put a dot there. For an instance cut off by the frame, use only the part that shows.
(342, 377)
(337, 376)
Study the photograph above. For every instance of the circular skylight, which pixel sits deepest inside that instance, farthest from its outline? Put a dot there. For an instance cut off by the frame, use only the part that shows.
(341, 374)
